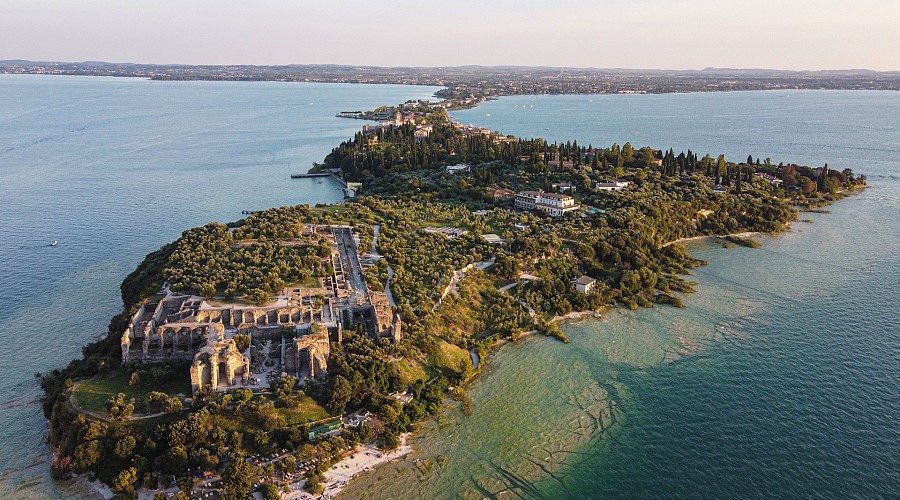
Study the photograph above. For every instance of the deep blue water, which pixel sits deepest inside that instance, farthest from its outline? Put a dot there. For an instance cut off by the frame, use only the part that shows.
(113, 169)
(778, 380)
(796, 389)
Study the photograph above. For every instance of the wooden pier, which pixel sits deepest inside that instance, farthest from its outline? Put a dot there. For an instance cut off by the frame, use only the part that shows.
(309, 176)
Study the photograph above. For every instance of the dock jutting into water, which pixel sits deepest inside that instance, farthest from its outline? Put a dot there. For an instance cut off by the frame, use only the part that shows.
(308, 176)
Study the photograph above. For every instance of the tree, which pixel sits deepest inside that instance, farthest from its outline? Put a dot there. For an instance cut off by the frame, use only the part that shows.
(258, 296)
(341, 393)
(270, 492)
(241, 342)
(241, 396)
(627, 152)
(237, 479)
(125, 447)
(174, 461)
(364, 433)
(822, 181)
(721, 167)
(125, 482)
(506, 266)
(118, 408)
(314, 482)
(61, 468)
(289, 464)
(807, 186)
(86, 455)
(283, 387)
(173, 405)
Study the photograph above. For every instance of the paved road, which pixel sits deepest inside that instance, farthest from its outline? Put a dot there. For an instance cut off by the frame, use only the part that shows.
(350, 260)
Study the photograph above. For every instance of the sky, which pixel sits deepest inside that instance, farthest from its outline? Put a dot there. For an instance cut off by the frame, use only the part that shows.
(660, 34)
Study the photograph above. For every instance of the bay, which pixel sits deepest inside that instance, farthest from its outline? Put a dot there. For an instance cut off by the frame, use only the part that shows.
(114, 168)
(779, 379)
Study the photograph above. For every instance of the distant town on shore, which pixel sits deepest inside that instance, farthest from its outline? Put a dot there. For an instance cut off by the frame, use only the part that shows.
(468, 85)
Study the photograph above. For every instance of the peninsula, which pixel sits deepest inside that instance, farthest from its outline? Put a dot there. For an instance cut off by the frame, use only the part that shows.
(466, 86)
(256, 355)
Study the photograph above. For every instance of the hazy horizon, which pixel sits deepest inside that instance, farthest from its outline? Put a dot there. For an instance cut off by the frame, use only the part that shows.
(797, 35)
(486, 66)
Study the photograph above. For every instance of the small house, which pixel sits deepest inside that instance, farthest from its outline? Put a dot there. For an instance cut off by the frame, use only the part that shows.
(492, 238)
(455, 169)
(585, 284)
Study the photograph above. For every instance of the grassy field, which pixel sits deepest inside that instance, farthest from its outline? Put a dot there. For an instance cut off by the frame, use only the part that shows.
(449, 360)
(340, 209)
(410, 371)
(311, 282)
(92, 394)
(452, 222)
(307, 411)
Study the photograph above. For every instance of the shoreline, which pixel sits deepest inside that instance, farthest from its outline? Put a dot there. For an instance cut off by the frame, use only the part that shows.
(364, 459)
(577, 315)
(336, 481)
(746, 234)
(406, 449)
(570, 317)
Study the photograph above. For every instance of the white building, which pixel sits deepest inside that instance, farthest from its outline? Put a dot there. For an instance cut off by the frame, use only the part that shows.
(493, 239)
(585, 284)
(527, 200)
(611, 186)
(554, 204)
(455, 169)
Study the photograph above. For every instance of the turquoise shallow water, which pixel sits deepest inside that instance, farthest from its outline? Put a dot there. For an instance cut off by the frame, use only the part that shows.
(114, 168)
(769, 384)
(779, 379)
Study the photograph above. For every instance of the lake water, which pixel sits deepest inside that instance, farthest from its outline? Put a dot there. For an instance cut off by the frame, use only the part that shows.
(113, 169)
(780, 378)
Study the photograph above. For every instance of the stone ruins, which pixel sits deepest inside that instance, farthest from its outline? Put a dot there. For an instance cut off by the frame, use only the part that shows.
(303, 320)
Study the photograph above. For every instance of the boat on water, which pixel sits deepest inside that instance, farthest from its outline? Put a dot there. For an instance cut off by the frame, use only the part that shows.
(54, 243)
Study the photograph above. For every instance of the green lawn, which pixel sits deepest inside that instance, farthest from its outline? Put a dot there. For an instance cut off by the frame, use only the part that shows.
(410, 371)
(311, 282)
(91, 394)
(450, 359)
(339, 209)
(307, 411)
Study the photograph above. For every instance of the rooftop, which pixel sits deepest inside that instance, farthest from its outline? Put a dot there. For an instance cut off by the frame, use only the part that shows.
(556, 196)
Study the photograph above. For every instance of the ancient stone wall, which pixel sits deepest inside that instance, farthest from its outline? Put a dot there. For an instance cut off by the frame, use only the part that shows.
(218, 362)
(310, 351)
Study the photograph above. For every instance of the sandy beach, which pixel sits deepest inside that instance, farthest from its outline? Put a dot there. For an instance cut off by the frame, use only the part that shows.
(363, 460)
(575, 315)
(748, 234)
